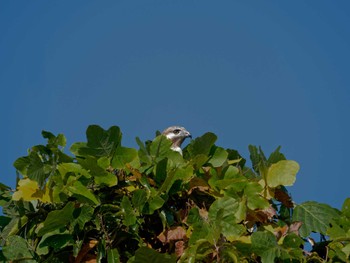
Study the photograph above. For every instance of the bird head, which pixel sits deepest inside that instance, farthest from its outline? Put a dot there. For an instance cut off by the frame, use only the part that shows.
(177, 135)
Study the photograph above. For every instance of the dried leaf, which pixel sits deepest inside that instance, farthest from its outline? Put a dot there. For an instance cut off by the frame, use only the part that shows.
(281, 231)
(294, 227)
(176, 233)
(283, 197)
(83, 253)
(179, 248)
(198, 183)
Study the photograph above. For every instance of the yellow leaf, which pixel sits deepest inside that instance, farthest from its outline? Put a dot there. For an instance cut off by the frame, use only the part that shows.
(25, 190)
(28, 190)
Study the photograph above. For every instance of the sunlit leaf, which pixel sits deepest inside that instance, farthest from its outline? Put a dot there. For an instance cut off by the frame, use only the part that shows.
(122, 156)
(254, 199)
(282, 173)
(75, 168)
(160, 146)
(202, 145)
(83, 193)
(28, 190)
(219, 157)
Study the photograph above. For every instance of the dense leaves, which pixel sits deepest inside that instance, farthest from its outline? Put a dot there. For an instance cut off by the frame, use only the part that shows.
(104, 202)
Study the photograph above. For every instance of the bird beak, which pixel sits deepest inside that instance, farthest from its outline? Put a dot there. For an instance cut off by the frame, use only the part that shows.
(188, 135)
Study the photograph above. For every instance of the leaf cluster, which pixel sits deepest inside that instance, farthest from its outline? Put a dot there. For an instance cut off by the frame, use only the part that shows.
(109, 203)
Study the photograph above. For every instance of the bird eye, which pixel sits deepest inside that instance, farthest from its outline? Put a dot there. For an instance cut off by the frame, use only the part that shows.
(176, 131)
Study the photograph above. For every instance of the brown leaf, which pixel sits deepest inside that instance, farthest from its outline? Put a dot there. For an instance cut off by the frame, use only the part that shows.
(83, 253)
(198, 183)
(203, 213)
(179, 248)
(283, 197)
(294, 227)
(263, 216)
(281, 231)
(176, 233)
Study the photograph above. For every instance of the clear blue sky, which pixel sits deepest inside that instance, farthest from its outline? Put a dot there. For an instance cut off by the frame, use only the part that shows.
(254, 72)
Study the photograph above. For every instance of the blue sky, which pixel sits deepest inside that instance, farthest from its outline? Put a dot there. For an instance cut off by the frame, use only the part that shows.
(267, 73)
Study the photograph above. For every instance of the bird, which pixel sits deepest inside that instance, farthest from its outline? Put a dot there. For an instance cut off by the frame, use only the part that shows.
(177, 135)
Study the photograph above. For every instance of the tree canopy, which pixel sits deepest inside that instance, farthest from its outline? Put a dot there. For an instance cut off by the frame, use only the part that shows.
(104, 202)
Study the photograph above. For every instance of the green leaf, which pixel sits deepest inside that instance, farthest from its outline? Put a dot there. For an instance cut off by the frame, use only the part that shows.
(276, 156)
(316, 217)
(219, 157)
(36, 169)
(143, 153)
(139, 199)
(264, 244)
(4, 221)
(123, 156)
(21, 164)
(104, 162)
(82, 193)
(101, 176)
(155, 203)
(57, 241)
(346, 208)
(228, 206)
(160, 146)
(77, 148)
(57, 219)
(100, 142)
(230, 229)
(194, 216)
(254, 157)
(59, 140)
(292, 241)
(129, 218)
(82, 215)
(113, 256)
(16, 248)
(201, 230)
(254, 198)
(13, 227)
(231, 172)
(161, 170)
(282, 173)
(108, 179)
(202, 145)
(75, 168)
(145, 254)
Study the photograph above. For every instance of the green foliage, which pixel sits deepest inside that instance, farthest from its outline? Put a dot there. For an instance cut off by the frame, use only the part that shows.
(105, 202)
